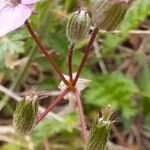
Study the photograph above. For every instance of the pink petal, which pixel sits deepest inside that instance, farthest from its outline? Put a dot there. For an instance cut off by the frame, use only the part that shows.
(3, 4)
(26, 2)
(12, 18)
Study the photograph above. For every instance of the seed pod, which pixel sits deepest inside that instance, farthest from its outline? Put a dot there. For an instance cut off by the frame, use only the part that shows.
(99, 134)
(78, 26)
(100, 130)
(107, 14)
(25, 115)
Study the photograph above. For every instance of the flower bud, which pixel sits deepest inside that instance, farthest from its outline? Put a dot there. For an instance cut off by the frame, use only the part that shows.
(78, 26)
(107, 14)
(25, 115)
(98, 136)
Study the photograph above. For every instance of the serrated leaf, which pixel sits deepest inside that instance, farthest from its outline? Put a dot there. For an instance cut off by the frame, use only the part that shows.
(114, 89)
(12, 44)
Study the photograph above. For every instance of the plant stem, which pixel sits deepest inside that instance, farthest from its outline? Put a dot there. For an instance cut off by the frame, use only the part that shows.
(82, 119)
(52, 105)
(70, 54)
(45, 52)
(85, 57)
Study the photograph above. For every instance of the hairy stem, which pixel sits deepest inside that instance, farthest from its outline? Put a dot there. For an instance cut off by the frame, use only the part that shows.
(52, 105)
(45, 52)
(82, 119)
(85, 57)
(70, 54)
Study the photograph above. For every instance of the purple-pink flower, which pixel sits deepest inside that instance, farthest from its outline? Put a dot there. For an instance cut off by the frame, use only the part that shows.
(13, 14)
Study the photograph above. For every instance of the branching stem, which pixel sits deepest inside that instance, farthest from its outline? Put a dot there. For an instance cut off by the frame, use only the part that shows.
(82, 119)
(85, 57)
(52, 105)
(45, 52)
(72, 82)
(70, 54)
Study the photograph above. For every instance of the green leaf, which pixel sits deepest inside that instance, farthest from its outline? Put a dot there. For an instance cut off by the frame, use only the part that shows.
(48, 128)
(114, 89)
(12, 44)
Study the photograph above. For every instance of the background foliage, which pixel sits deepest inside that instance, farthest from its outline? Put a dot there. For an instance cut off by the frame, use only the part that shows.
(125, 85)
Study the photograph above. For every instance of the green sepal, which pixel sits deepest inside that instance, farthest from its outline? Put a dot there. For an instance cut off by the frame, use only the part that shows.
(78, 26)
(98, 135)
(107, 14)
(25, 116)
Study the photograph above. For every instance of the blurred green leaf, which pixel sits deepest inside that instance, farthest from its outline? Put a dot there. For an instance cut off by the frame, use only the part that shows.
(11, 44)
(48, 128)
(114, 89)
(10, 147)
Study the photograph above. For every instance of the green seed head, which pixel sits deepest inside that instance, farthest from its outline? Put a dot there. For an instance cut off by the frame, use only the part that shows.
(107, 14)
(25, 115)
(100, 130)
(78, 26)
(99, 134)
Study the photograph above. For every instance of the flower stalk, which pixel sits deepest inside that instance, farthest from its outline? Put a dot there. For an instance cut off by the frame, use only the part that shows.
(70, 55)
(52, 105)
(85, 57)
(82, 118)
(45, 52)
(71, 84)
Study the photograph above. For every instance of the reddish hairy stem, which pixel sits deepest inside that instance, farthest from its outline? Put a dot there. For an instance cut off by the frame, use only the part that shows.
(82, 119)
(70, 54)
(85, 57)
(45, 52)
(52, 105)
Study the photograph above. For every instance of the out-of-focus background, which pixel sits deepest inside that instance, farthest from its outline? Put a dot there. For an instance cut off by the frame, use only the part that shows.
(119, 67)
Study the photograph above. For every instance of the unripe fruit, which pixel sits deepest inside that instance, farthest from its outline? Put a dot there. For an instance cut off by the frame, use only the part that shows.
(98, 135)
(78, 26)
(99, 131)
(25, 115)
(107, 14)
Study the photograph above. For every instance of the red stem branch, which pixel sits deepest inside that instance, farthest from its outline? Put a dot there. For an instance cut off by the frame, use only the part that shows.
(82, 119)
(45, 52)
(52, 105)
(70, 54)
(85, 57)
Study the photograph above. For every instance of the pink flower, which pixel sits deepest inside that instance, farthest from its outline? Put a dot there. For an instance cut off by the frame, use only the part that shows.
(13, 14)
